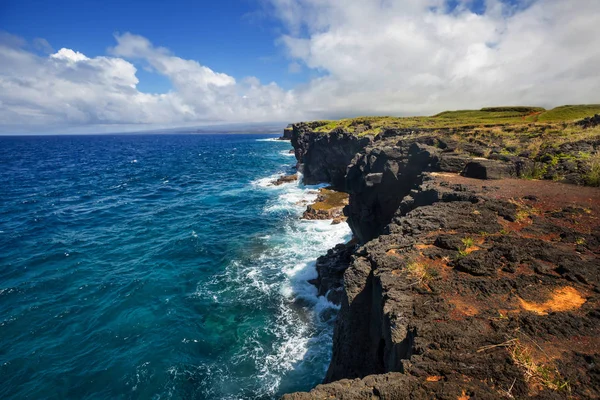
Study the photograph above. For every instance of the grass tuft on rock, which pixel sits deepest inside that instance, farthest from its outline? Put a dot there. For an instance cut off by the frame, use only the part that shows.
(535, 372)
(592, 177)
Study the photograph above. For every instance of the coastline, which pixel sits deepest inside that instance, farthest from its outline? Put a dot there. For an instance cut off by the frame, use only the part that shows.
(454, 281)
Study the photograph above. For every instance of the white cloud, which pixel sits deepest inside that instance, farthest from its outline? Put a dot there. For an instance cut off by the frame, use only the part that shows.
(412, 56)
(372, 57)
(67, 88)
(69, 56)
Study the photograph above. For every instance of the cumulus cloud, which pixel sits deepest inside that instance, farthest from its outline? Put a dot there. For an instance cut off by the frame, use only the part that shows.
(67, 88)
(421, 56)
(394, 57)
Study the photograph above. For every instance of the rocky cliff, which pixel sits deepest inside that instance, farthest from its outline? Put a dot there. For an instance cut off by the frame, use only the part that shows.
(324, 157)
(463, 281)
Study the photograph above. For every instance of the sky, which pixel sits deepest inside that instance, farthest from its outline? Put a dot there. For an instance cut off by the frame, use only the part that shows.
(71, 66)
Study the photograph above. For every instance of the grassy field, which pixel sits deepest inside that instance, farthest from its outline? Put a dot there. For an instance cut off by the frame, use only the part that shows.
(486, 117)
(569, 113)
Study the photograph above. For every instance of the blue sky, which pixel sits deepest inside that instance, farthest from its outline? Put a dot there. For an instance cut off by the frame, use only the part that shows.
(235, 37)
(92, 65)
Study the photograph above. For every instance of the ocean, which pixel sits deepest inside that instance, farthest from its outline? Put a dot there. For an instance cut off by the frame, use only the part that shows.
(158, 267)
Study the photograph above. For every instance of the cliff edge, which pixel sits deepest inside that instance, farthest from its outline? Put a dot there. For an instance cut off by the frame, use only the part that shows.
(470, 276)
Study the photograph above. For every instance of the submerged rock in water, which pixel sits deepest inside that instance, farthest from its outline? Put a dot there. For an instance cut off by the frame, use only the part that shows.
(285, 179)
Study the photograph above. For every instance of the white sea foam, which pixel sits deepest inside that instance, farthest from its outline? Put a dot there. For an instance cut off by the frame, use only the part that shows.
(302, 325)
(273, 140)
(286, 153)
(291, 259)
(293, 199)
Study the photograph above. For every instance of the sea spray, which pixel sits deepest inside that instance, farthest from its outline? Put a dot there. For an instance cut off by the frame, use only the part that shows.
(301, 328)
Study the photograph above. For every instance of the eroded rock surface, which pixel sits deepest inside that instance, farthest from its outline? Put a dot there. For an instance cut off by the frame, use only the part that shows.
(476, 289)
(324, 157)
(328, 205)
(285, 179)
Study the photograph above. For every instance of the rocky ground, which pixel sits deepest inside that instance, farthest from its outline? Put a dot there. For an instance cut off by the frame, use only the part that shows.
(463, 281)
(491, 290)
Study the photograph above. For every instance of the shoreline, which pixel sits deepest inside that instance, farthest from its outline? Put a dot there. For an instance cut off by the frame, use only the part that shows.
(426, 225)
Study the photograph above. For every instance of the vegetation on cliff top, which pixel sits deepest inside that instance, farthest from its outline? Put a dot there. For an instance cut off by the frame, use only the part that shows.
(490, 116)
(560, 146)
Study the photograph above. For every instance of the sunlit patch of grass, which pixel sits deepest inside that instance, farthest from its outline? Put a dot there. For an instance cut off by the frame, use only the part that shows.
(462, 253)
(468, 242)
(469, 246)
(525, 211)
(491, 119)
(565, 113)
(421, 272)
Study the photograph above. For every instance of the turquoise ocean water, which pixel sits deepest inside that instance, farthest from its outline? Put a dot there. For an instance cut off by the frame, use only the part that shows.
(158, 267)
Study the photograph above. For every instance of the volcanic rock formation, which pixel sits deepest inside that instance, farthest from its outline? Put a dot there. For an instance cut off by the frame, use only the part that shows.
(463, 281)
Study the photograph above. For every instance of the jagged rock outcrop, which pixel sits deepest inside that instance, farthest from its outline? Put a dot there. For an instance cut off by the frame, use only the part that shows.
(590, 122)
(386, 168)
(287, 133)
(328, 205)
(380, 176)
(475, 289)
(330, 269)
(323, 157)
(392, 166)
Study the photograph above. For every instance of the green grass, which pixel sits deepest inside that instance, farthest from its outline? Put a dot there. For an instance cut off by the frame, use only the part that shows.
(371, 125)
(516, 109)
(569, 113)
(490, 115)
(468, 242)
(421, 272)
(536, 171)
(486, 117)
(527, 132)
(545, 374)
